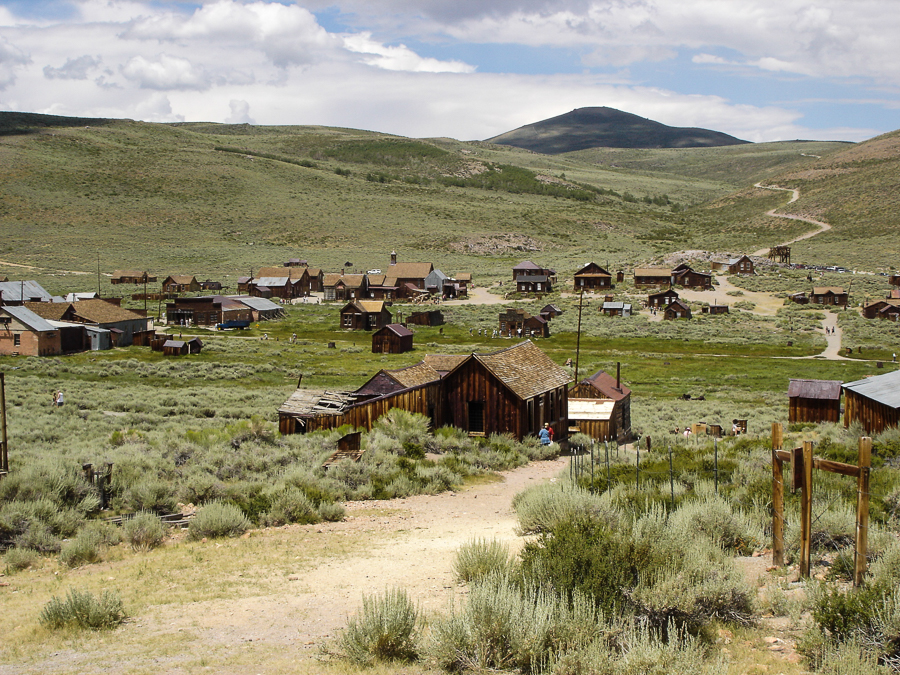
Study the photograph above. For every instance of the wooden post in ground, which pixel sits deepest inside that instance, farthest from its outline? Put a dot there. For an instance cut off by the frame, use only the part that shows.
(777, 498)
(862, 510)
(4, 440)
(806, 509)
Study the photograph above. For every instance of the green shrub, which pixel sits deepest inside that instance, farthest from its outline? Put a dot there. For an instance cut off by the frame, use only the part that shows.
(150, 494)
(218, 519)
(18, 559)
(40, 538)
(481, 557)
(291, 506)
(144, 532)
(385, 629)
(332, 512)
(83, 610)
(84, 549)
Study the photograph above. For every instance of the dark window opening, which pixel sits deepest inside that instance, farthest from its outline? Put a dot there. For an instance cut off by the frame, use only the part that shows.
(476, 417)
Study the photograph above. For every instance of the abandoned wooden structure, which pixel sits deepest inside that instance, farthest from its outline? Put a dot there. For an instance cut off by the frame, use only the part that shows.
(132, 277)
(780, 254)
(742, 265)
(180, 283)
(549, 312)
(645, 277)
(874, 402)
(592, 277)
(662, 298)
(615, 308)
(175, 348)
(365, 315)
(829, 295)
(392, 339)
(592, 417)
(814, 401)
(799, 298)
(677, 309)
(210, 310)
(519, 323)
(715, 309)
(531, 278)
(888, 308)
(683, 275)
(513, 391)
(602, 386)
(434, 317)
(348, 449)
(345, 286)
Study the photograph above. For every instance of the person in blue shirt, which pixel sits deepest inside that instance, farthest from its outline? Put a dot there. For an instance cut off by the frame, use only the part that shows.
(544, 435)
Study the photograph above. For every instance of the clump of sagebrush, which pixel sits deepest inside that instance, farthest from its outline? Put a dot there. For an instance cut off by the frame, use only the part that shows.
(384, 629)
(291, 506)
(218, 519)
(720, 522)
(84, 549)
(543, 507)
(400, 432)
(81, 609)
(144, 532)
(18, 559)
(481, 557)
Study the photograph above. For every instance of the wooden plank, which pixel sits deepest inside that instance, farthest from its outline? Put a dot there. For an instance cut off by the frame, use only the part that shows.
(806, 510)
(836, 467)
(777, 436)
(777, 510)
(862, 511)
(783, 455)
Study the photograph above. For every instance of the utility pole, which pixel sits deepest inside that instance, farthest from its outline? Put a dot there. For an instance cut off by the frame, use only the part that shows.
(578, 339)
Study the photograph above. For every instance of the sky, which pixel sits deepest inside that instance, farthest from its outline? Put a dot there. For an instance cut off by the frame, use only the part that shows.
(466, 69)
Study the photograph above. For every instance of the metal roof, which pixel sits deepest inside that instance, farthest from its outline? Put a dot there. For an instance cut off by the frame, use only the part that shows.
(817, 389)
(599, 409)
(273, 282)
(606, 385)
(533, 278)
(28, 318)
(13, 291)
(259, 304)
(884, 389)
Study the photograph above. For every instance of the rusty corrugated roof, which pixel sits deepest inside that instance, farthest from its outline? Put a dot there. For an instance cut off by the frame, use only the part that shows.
(817, 389)
(606, 385)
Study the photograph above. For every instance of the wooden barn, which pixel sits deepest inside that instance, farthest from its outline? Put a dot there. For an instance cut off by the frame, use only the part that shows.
(434, 317)
(814, 401)
(652, 276)
(882, 309)
(132, 277)
(715, 309)
(683, 275)
(592, 277)
(873, 402)
(677, 309)
(180, 283)
(828, 295)
(365, 315)
(392, 339)
(740, 265)
(662, 298)
(513, 391)
(175, 348)
(604, 387)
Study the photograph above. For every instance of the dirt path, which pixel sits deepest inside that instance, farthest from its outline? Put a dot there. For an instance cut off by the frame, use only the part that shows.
(413, 547)
(795, 195)
(482, 296)
(4, 263)
(766, 303)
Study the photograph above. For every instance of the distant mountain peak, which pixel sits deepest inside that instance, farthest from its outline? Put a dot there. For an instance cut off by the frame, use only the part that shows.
(585, 128)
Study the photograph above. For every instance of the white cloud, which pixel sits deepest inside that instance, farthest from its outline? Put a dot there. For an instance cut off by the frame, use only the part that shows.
(12, 59)
(165, 72)
(240, 113)
(399, 57)
(77, 68)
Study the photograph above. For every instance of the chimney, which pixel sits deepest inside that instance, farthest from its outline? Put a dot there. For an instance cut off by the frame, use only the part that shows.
(618, 376)
(393, 257)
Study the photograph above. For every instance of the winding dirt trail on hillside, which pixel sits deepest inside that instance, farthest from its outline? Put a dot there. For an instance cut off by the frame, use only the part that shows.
(795, 195)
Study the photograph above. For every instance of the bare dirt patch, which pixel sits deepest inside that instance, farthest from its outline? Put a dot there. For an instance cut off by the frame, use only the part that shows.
(496, 244)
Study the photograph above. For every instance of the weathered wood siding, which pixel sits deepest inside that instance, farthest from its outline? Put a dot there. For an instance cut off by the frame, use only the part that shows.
(875, 417)
(601, 430)
(503, 411)
(813, 410)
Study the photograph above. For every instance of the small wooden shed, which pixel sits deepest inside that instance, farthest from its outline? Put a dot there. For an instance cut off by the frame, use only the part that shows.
(175, 348)
(677, 309)
(195, 345)
(593, 417)
(392, 339)
(814, 400)
(874, 402)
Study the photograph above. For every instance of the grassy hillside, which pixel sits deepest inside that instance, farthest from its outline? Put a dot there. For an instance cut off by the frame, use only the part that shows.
(220, 200)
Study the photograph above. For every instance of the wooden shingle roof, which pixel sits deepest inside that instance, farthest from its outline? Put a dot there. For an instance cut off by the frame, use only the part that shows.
(817, 389)
(525, 369)
(444, 362)
(413, 376)
(606, 385)
(101, 311)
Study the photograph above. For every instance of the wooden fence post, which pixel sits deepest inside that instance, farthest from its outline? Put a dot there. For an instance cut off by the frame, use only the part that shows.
(862, 510)
(777, 510)
(806, 509)
(4, 440)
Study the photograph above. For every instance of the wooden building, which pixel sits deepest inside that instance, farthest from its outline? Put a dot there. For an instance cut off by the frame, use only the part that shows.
(180, 283)
(715, 309)
(210, 310)
(677, 309)
(392, 339)
(195, 345)
(662, 298)
(209, 285)
(814, 401)
(433, 317)
(894, 280)
(874, 402)
(407, 277)
(828, 295)
(345, 286)
(645, 277)
(602, 386)
(132, 277)
(531, 278)
(684, 276)
(592, 417)
(126, 327)
(799, 298)
(175, 348)
(742, 265)
(549, 312)
(519, 323)
(365, 315)
(615, 308)
(592, 277)
(882, 309)
(513, 391)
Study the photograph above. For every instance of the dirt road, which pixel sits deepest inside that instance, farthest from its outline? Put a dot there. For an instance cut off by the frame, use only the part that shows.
(823, 227)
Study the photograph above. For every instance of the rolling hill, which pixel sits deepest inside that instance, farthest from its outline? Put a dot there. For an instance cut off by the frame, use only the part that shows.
(585, 128)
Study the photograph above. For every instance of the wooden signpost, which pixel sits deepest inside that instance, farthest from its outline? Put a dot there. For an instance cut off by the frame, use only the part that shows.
(4, 440)
(802, 464)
